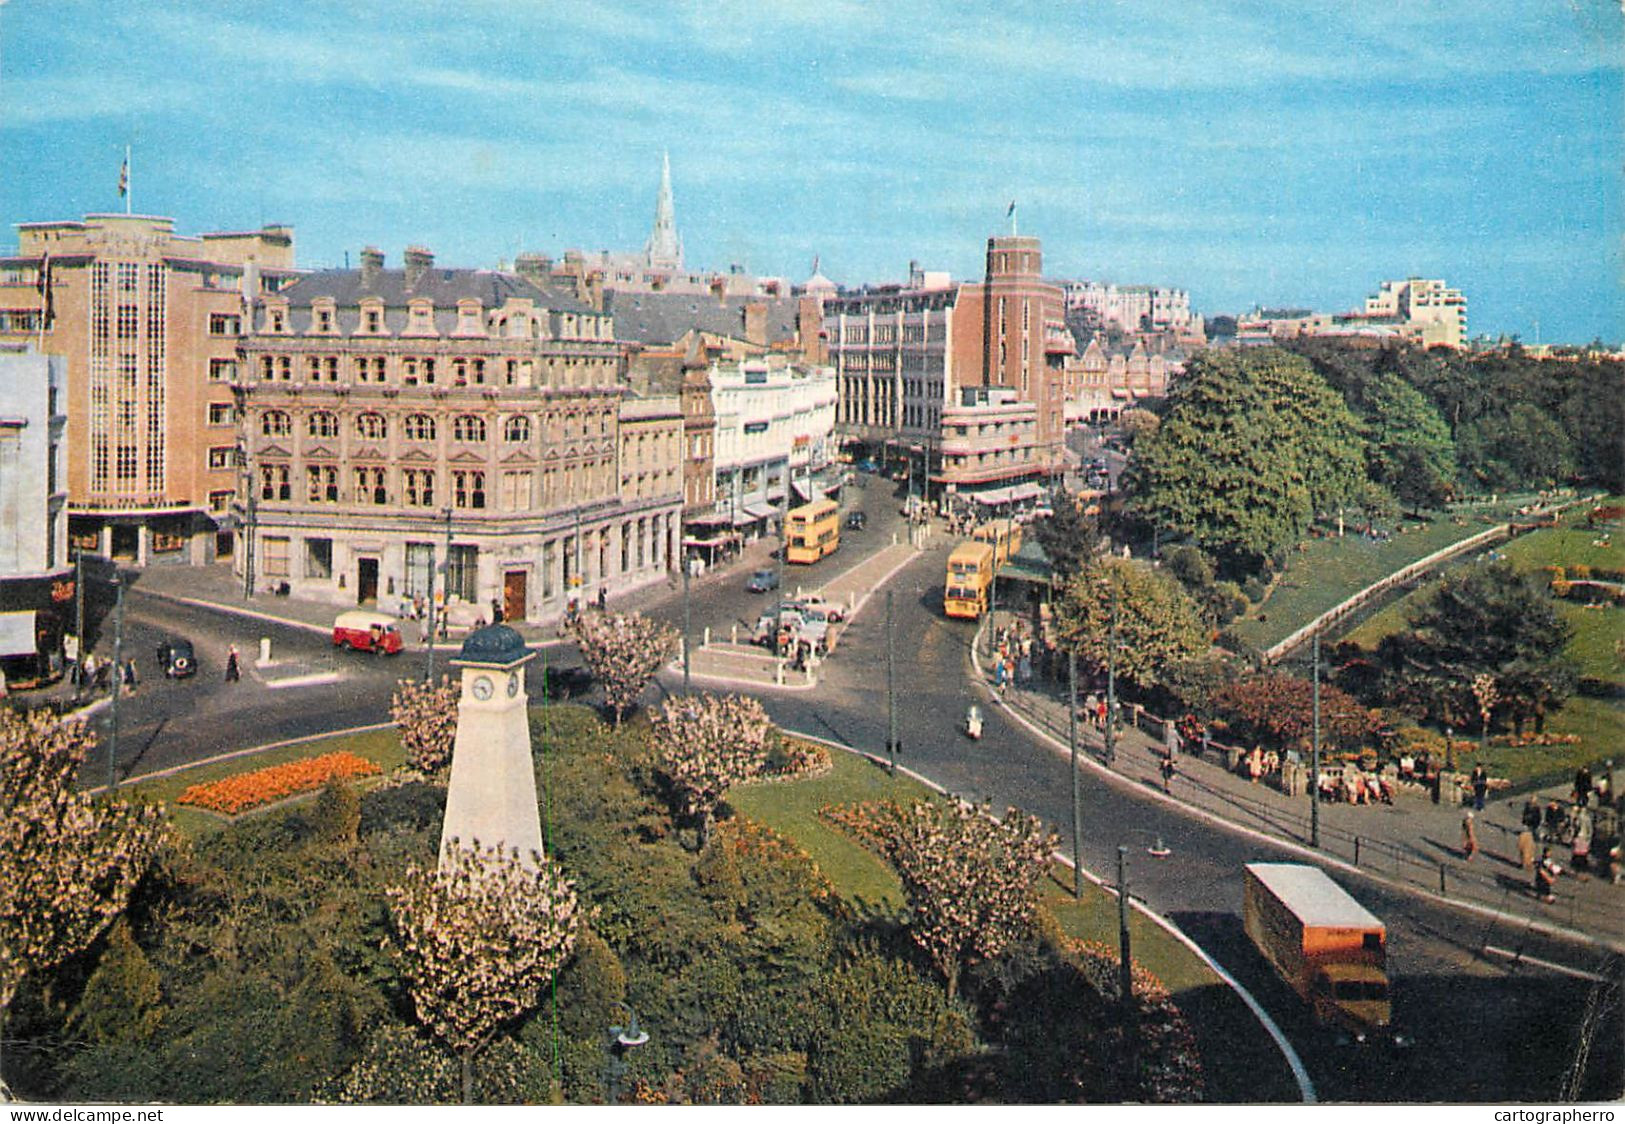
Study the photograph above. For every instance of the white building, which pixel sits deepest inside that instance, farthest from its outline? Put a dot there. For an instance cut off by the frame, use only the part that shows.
(36, 580)
(1135, 308)
(772, 414)
(1428, 312)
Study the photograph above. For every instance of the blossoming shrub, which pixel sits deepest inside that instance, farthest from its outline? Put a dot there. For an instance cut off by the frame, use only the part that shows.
(263, 786)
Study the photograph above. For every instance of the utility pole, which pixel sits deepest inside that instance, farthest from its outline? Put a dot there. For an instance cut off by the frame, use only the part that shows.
(1314, 755)
(117, 678)
(1077, 794)
(248, 535)
(79, 617)
(891, 687)
(428, 672)
(784, 546)
(1126, 966)
(688, 624)
(1111, 685)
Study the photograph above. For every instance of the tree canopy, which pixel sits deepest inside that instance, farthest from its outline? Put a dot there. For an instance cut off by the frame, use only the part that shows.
(1252, 445)
(1068, 537)
(1158, 625)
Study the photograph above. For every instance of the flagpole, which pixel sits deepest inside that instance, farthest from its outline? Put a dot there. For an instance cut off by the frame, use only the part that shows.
(129, 192)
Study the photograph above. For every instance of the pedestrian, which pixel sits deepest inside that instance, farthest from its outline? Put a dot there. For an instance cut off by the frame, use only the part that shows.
(1546, 872)
(1024, 670)
(234, 671)
(1089, 706)
(1582, 785)
(1168, 770)
(1531, 813)
(1581, 847)
(998, 674)
(1481, 786)
(496, 611)
(1101, 714)
(1255, 764)
(130, 677)
(1526, 849)
(603, 599)
(1469, 836)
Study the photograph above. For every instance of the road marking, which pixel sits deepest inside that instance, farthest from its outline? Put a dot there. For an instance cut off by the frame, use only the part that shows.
(1306, 1087)
(1524, 958)
(303, 680)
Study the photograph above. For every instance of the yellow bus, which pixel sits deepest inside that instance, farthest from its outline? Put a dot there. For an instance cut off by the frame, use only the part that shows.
(1004, 535)
(812, 531)
(970, 578)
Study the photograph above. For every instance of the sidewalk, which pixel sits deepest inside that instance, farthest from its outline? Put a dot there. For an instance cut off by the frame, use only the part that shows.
(1412, 842)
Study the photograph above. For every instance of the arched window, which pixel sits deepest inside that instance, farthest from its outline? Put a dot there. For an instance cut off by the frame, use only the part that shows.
(324, 424)
(467, 427)
(419, 427)
(371, 427)
(275, 423)
(516, 430)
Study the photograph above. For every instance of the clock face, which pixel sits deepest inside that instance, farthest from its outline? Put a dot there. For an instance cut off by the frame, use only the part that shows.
(482, 687)
(513, 685)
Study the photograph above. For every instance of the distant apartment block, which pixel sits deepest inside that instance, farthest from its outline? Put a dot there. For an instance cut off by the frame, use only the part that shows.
(148, 321)
(1135, 308)
(1428, 312)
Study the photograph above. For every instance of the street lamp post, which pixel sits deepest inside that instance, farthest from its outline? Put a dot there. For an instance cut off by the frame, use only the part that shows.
(428, 672)
(1314, 751)
(1111, 685)
(117, 678)
(688, 622)
(1125, 954)
(1077, 794)
(891, 688)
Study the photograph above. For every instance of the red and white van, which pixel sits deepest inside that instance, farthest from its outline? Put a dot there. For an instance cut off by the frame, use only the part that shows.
(367, 632)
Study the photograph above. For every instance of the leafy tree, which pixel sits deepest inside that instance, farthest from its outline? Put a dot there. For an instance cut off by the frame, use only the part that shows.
(477, 940)
(971, 881)
(706, 745)
(337, 814)
(1408, 446)
(123, 999)
(1068, 537)
(1252, 445)
(1157, 623)
(1138, 422)
(68, 862)
(425, 715)
(1486, 620)
(1279, 708)
(1524, 447)
(623, 651)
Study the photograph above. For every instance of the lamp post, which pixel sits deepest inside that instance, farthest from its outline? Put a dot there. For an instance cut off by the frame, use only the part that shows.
(891, 689)
(428, 671)
(1077, 794)
(1314, 751)
(117, 678)
(688, 621)
(623, 1040)
(79, 619)
(1125, 954)
(784, 546)
(1111, 685)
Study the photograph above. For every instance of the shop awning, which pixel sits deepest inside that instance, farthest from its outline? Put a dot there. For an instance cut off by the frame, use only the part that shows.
(760, 510)
(712, 520)
(991, 497)
(1027, 491)
(806, 491)
(719, 540)
(17, 634)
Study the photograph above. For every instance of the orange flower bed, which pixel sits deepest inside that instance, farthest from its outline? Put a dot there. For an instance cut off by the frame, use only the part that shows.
(250, 790)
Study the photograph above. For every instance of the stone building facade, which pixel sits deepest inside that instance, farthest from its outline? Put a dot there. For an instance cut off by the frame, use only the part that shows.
(395, 421)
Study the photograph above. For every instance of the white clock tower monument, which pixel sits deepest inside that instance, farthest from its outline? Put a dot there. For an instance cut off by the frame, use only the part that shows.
(491, 797)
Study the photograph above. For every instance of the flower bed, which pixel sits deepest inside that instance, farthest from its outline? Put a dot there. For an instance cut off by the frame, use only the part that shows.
(263, 786)
(795, 760)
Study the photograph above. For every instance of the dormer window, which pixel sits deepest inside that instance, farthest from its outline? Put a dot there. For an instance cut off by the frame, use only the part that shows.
(420, 318)
(322, 320)
(469, 320)
(372, 318)
(278, 320)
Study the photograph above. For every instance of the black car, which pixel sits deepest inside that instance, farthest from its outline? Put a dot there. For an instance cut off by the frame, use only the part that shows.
(177, 659)
(856, 521)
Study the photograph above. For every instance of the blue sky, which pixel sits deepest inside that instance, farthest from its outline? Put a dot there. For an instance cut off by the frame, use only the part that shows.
(1251, 153)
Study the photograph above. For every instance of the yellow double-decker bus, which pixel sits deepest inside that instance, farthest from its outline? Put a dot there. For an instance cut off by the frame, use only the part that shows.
(812, 531)
(1003, 535)
(970, 578)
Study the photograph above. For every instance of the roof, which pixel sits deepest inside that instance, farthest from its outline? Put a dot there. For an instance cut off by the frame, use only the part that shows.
(971, 550)
(445, 287)
(665, 317)
(1313, 897)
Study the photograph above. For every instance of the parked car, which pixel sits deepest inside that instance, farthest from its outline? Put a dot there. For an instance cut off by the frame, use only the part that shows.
(868, 466)
(796, 625)
(856, 521)
(362, 631)
(816, 604)
(177, 658)
(763, 581)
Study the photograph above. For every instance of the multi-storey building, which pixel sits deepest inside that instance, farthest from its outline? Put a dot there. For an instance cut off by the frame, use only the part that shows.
(775, 420)
(1135, 308)
(148, 321)
(990, 447)
(396, 420)
(1427, 312)
(904, 353)
(36, 579)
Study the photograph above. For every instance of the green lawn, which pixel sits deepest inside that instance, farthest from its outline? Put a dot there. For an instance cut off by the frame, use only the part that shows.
(1323, 573)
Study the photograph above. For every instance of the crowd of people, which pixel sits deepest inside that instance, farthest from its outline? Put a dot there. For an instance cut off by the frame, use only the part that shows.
(1588, 824)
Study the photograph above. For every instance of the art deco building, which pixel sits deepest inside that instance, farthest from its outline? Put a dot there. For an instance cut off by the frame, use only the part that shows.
(36, 575)
(148, 322)
(396, 420)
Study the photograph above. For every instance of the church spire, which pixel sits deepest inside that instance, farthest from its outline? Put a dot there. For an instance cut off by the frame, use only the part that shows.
(664, 250)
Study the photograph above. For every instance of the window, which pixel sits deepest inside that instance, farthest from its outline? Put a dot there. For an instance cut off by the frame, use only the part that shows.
(323, 423)
(225, 324)
(409, 372)
(222, 370)
(461, 571)
(274, 556)
(467, 427)
(319, 559)
(220, 502)
(322, 483)
(468, 489)
(516, 487)
(221, 413)
(372, 320)
(369, 486)
(371, 427)
(222, 456)
(274, 482)
(275, 423)
(516, 430)
(419, 568)
(419, 427)
(324, 321)
(419, 486)
(278, 320)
